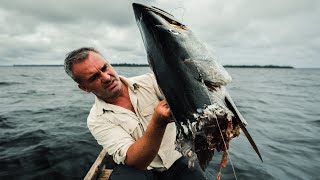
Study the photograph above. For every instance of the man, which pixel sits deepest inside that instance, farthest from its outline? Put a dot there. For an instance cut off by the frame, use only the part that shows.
(130, 120)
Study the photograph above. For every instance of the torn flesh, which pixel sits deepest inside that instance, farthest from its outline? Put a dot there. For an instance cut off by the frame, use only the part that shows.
(216, 125)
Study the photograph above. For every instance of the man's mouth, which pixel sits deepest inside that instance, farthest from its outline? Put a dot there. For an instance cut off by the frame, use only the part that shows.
(110, 85)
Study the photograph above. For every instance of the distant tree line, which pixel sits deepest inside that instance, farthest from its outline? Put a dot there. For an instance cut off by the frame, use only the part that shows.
(257, 66)
(130, 64)
(146, 65)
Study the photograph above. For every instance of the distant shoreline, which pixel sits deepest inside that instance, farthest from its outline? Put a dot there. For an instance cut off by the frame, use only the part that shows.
(54, 65)
(129, 65)
(146, 65)
(258, 66)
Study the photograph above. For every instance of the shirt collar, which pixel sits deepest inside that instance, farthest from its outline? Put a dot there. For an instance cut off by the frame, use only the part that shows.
(102, 106)
(131, 83)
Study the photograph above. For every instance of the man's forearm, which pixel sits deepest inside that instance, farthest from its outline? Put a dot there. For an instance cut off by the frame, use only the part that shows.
(141, 153)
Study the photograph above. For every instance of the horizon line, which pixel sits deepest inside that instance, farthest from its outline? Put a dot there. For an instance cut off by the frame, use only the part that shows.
(146, 65)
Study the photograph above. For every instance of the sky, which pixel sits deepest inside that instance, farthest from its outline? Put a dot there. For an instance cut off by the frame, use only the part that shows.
(237, 32)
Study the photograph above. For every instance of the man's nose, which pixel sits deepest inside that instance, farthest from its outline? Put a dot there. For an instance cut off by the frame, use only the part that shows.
(105, 77)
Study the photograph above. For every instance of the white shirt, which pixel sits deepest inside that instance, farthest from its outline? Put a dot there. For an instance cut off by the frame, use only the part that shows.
(116, 128)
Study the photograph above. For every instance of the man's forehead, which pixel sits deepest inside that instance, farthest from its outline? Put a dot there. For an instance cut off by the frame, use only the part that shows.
(88, 66)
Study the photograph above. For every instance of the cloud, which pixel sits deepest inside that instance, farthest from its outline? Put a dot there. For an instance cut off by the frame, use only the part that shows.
(238, 32)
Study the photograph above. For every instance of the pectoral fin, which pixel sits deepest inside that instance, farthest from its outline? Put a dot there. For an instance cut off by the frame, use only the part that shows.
(242, 123)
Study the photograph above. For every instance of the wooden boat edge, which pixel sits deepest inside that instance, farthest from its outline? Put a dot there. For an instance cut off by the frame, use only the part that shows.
(98, 170)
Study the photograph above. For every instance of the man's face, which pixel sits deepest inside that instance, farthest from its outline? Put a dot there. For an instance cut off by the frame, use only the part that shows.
(97, 76)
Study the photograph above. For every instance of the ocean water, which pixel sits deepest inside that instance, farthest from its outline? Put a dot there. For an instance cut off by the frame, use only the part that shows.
(44, 135)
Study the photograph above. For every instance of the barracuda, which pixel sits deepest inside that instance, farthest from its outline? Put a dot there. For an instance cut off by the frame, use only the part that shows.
(193, 83)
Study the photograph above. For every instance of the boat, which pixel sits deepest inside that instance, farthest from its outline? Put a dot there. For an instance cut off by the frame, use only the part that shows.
(101, 168)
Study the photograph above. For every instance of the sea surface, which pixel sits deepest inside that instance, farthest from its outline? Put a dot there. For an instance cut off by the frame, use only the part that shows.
(43, 132)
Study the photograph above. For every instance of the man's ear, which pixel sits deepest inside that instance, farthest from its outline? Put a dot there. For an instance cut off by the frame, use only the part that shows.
(83, 88)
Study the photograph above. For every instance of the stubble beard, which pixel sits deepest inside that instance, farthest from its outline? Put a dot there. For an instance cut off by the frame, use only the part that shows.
(114, 93)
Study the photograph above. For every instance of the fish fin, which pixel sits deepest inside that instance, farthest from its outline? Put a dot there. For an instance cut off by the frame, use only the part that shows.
(232, 106)
(242, 123)
(245, 131)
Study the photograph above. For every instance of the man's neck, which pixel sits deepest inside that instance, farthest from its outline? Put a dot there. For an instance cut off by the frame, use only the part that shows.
(123, 100)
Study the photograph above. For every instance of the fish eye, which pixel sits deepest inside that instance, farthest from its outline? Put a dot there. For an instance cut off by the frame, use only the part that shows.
(173, 31)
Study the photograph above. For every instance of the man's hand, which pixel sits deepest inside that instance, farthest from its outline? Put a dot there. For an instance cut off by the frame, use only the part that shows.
(162, 113)
(141, 153)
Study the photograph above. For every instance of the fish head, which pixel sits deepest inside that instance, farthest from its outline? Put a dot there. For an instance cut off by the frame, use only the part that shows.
(169, 40)
(162, 31)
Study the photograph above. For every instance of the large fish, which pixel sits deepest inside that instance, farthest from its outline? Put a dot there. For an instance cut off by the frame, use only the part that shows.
(193, 84)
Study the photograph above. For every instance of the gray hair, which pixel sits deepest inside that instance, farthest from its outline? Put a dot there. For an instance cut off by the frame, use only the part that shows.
(77, 56)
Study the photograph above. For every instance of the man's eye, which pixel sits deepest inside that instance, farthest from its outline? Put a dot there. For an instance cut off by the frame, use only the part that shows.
(104, 68)
(91, 79)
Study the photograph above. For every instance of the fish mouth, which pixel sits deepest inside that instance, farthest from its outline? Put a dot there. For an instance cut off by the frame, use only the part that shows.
(155, 15)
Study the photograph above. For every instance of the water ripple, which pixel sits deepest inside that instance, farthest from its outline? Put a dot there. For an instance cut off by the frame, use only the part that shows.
(44, 133)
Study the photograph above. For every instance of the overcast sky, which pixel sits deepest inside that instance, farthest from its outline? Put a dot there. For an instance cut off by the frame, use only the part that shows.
(285, 32)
